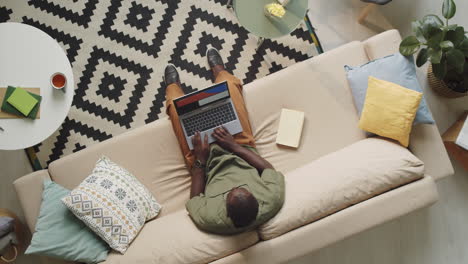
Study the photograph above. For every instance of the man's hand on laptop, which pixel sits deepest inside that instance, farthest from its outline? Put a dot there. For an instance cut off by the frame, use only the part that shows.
(201, 148)
(224, 139)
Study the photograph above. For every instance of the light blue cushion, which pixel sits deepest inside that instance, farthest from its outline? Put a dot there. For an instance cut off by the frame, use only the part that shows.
(60, 234)
(395, 68)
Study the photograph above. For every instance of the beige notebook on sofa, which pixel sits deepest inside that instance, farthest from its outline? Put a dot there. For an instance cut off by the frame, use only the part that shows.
(290, 128)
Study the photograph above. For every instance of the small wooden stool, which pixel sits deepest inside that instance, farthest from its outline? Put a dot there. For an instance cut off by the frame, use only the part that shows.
(15, 250)
(369, 7)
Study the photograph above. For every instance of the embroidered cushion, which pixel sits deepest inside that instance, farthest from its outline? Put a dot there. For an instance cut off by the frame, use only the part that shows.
(113, 203)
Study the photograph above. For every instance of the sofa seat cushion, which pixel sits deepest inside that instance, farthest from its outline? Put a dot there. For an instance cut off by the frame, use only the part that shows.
(349, 176)
(151, 153)
(175, 239)
(319, 88)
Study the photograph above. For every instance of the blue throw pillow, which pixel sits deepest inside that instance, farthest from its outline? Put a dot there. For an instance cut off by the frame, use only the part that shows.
(60, 234)
(395, 68)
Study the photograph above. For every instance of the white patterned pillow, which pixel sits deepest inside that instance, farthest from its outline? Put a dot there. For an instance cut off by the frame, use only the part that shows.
(113, 203)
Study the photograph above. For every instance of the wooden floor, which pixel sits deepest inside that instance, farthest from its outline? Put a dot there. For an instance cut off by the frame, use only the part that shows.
(435, 235)
(14, 164)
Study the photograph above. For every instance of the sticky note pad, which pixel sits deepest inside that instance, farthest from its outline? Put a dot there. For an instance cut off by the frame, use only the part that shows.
(290, 128)
(22, 101)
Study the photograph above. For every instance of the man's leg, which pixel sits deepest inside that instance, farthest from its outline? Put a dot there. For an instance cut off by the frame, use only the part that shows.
(173, 91)
(235, 89)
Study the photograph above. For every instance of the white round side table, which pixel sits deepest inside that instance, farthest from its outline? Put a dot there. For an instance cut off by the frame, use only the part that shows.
(28, 58)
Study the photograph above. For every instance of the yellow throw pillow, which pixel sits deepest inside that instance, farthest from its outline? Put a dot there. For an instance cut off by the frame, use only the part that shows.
(389, 110)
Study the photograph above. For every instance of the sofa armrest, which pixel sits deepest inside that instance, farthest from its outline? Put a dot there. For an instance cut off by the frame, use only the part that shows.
(29, 191)
(426, 143)
(383, 44)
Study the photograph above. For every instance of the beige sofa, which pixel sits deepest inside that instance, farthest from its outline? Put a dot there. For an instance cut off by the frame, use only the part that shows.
(318, 87)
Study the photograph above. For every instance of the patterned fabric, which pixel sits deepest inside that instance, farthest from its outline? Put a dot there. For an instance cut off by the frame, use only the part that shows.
(118, 50)
(113, 203)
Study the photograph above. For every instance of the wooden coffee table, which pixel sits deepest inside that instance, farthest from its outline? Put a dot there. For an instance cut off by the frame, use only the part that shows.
(450, 136)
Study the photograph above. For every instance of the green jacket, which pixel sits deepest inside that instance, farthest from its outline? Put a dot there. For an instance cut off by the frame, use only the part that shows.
(224, 172)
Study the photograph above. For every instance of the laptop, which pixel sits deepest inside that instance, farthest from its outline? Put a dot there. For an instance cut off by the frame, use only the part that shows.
(206, 110)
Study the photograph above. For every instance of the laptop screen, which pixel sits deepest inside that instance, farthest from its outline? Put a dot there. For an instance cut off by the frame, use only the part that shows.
(201, 98)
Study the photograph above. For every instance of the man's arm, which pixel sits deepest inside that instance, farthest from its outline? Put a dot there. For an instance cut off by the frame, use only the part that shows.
(226, 141)
(201, 151)
(252, 158)
(198, 182)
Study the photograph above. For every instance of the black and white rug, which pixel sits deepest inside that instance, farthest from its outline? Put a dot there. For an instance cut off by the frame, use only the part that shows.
(119, 48)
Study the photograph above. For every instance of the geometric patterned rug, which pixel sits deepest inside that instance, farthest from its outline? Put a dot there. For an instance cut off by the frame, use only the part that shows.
(118, 50)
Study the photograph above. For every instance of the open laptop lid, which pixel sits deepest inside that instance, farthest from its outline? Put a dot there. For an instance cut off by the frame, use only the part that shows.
(202, 98)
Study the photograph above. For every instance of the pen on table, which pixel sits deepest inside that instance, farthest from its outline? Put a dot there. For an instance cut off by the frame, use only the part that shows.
(1, 129)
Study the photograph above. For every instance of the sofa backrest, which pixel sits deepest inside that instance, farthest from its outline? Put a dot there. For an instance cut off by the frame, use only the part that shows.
(319, 88)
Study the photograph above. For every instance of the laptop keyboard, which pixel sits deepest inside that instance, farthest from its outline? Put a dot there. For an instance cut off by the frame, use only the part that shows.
(209, 119)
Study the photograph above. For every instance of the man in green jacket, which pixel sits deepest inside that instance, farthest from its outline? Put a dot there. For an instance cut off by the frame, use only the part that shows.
(233, 188)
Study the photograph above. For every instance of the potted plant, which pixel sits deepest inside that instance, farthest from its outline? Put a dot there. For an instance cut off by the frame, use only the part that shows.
(445, 46)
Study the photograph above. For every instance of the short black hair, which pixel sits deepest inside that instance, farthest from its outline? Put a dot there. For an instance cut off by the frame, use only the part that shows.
(242, 207)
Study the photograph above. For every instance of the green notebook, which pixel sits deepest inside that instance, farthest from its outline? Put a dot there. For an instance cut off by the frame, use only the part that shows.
(7, 107)
(22, 101)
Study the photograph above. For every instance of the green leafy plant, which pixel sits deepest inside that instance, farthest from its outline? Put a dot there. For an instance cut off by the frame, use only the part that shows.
(444, 45)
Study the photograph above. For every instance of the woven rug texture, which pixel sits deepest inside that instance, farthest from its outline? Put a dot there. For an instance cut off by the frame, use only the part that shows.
(119, 49)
